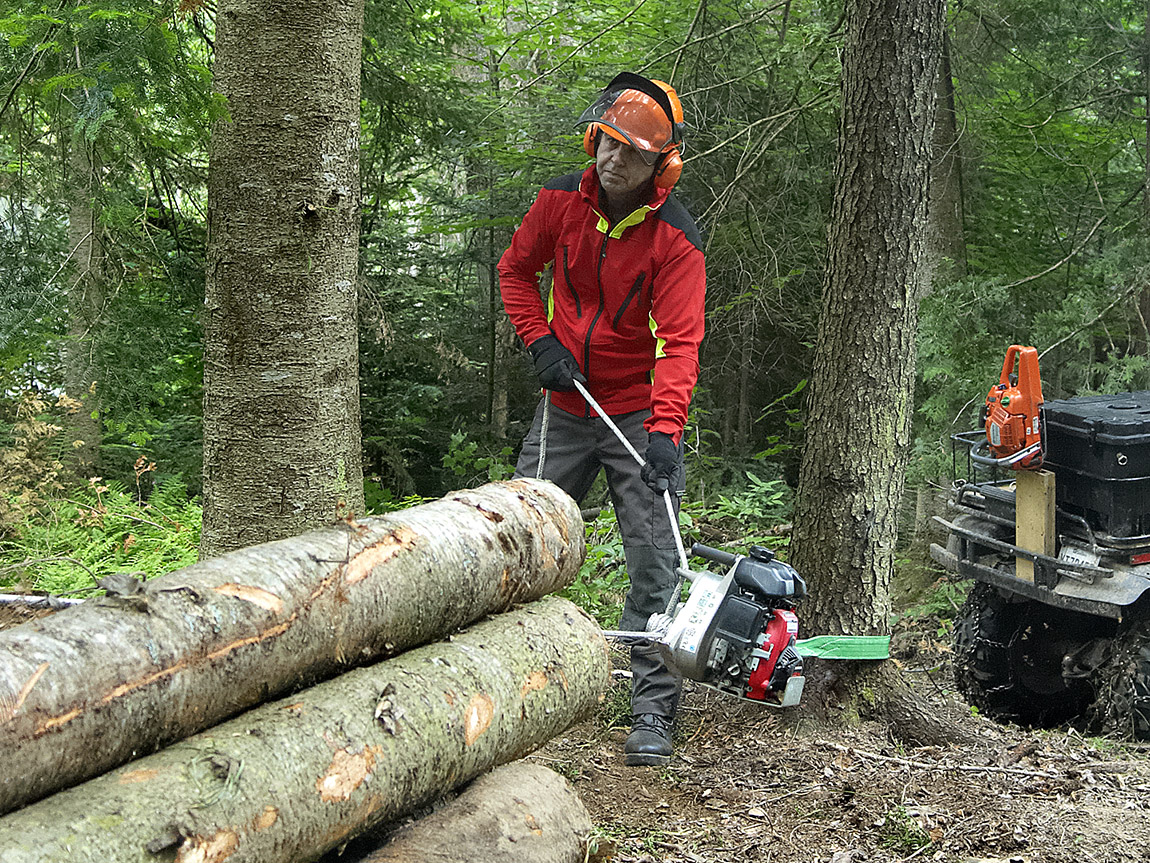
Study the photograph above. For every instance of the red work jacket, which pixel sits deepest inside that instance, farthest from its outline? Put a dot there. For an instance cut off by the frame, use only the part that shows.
(625, 299)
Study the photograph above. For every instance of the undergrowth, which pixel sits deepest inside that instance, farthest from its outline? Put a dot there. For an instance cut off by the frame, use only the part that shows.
(64, 545)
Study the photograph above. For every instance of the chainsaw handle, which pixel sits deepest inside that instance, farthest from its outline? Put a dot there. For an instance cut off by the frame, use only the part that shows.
(726, 558)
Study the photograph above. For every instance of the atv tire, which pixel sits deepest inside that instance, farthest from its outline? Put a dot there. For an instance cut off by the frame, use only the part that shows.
(1122, 707)
(1008, 658)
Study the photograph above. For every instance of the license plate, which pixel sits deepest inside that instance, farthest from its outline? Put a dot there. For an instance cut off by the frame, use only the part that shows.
(1077, 555)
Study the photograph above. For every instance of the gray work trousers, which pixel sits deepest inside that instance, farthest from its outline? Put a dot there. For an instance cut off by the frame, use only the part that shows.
(576, 448)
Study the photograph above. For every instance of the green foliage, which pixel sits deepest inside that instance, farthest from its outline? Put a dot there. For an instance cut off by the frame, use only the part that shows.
(379, 499)
(601, 585)
(902, 831)
(936, 607)
(748, 511)
(464, 459)
(67, 544)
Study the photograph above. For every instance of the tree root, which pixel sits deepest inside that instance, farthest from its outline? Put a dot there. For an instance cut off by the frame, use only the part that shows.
(876, 691)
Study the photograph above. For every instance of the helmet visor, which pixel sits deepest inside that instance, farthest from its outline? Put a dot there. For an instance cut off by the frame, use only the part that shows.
(637, 118)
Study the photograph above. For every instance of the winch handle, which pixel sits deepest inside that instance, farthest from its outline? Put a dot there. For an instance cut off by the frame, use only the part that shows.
(726, 558)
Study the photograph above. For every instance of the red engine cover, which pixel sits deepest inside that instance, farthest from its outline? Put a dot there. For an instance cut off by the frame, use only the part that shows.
(779, 634)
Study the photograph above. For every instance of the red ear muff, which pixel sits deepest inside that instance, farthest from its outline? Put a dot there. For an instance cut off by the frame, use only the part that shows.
(669, 170)
(589, 139)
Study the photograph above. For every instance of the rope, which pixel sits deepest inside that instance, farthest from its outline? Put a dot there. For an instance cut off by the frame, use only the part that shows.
(543, 434)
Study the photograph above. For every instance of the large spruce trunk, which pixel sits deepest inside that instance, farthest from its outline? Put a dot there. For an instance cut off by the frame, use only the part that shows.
(292, 779)
(98, 684)
(859, 407)
(862, 383)
(281, 385)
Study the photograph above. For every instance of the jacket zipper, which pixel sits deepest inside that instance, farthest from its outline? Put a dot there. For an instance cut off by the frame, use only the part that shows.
(634, 290)
(570, 286)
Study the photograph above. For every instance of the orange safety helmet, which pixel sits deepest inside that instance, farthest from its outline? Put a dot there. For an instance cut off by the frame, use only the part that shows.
(645, 114)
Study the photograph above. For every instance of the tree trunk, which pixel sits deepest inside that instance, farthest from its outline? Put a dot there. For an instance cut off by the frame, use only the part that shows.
(85, 302)
(519, 813)
(946, 240)
(874, 691)
(281, 386)
(860, 403)
(292, 779)
(113, 679)
(859, 408)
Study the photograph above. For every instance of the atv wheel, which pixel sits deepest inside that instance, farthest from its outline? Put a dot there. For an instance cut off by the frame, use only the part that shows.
(1123, 703)
(1008, 658)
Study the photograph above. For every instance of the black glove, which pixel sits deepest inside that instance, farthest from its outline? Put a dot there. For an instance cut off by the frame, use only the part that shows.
(555, 366)
(662, 459)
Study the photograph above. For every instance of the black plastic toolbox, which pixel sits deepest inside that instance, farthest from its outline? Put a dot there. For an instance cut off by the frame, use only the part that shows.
(1099, 450)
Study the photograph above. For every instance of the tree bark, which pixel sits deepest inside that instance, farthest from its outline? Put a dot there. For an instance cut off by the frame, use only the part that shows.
(862, 382)
(292, 779)
(85, 303)
(877, 692)
(946, 239)
(518, 813)
(859, 409)
(281, 386)
(97, 684)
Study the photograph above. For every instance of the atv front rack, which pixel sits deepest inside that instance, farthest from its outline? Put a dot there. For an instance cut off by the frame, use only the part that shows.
(1060, 583)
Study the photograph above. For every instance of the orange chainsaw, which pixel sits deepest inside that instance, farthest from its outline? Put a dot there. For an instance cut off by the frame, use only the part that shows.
(1012, 412)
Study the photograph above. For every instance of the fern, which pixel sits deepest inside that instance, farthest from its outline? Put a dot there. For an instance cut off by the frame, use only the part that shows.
(65, 545)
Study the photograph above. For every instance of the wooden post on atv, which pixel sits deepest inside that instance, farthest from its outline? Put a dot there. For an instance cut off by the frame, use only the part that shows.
(1033, 517)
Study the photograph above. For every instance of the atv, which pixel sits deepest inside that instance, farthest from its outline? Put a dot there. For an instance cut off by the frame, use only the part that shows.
(1053, 526)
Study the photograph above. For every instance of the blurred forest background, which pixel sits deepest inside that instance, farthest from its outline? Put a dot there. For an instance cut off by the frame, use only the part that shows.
(1039, 224)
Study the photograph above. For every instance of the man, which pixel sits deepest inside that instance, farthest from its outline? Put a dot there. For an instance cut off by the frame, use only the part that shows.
(624, 316)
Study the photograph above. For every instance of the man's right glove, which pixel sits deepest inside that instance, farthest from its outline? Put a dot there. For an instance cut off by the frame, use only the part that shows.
(555, 366)
(662, 459)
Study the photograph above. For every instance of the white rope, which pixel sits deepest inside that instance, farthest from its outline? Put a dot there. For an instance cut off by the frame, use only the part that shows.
(543, 434)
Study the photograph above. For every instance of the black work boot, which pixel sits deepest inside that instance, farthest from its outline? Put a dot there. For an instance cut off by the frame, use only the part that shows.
(649, 743)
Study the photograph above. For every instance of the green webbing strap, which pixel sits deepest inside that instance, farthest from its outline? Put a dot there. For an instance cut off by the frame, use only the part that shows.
(845, 646)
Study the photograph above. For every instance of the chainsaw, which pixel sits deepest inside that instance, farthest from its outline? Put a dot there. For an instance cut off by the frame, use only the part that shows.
(738, 632)
(1012, 413)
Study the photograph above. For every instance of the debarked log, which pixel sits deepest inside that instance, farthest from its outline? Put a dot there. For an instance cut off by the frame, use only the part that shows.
(518, 813)
(292, 779)
(96, 685)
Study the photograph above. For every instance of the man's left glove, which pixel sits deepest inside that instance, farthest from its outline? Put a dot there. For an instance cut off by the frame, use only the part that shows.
(662, 459)
(555, 366)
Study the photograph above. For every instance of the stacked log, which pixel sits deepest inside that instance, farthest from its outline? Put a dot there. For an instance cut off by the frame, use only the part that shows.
(518, 813)
(295, 778)
(96, 685)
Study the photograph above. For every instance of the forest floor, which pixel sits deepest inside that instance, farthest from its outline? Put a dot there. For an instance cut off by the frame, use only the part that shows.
(744, 785)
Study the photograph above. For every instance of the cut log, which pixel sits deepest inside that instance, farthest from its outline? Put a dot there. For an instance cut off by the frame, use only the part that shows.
(292, 779)
(519, 813)
(94, 686)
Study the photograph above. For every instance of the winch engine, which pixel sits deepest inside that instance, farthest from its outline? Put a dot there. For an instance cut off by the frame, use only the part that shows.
(736, 632)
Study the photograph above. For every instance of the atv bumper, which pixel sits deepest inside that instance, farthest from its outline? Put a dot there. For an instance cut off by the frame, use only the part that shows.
(1092, 590)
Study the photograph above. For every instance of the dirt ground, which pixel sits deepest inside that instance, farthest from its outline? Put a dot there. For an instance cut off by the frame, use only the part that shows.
(747, 785)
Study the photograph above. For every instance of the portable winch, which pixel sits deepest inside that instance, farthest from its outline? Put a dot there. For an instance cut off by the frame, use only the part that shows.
(738, 632)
